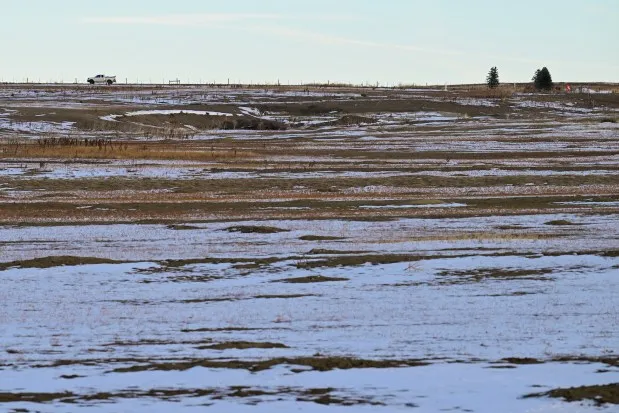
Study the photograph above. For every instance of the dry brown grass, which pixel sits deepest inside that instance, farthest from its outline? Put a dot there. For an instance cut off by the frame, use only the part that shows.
(472, 236)
(487, 93)
(122, 150)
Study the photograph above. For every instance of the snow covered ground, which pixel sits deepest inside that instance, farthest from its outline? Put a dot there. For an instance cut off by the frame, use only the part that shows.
(183, 171)
(103, 334)
(458, 387)
(361, 314)
(528, 234)
(9, 125)
(165, 112)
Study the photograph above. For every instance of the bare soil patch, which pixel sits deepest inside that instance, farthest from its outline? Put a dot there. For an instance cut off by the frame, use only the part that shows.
(600, 395)
(254, 229)
(242, 345)
(481, 274)
(56, 261)
(318, 363)
(320, 238)
(310, 279)
(316, 395)
(199, 122)
(560, 222)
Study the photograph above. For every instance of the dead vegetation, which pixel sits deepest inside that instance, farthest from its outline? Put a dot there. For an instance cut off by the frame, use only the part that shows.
(71, 149)
(255, 229)
(7, 397)
(183, 227)
(283, 296)
(312, 395)
(560, 222)
(318, 363)
(56, 261)
(320, 174)
(323, 251)
(311, 279)
(600, 394)
(522, 360)
(481, 274)
(184, 124)
(348, 120)
(242, 345)
(362, 259)
(320, 238)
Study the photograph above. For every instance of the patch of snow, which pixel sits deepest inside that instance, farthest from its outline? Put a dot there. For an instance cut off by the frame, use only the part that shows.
(166, 112)
(250, 111)
(591, 203)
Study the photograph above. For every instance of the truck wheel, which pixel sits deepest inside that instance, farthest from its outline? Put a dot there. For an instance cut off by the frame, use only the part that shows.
(92, 82)
(109, 82)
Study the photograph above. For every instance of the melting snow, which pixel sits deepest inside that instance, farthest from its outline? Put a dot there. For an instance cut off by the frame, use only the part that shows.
(166, 112)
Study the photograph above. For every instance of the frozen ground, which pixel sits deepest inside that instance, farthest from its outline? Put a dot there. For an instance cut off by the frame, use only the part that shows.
(86, 96)
(165, 112)
(37, 127)
(524, 235)
(463, 388)
(392, 250)
(136, 335)
(53, 170)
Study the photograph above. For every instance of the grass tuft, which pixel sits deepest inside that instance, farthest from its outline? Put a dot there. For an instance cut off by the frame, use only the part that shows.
(242, 345)
(253, 229)
(56, 261)
(310, 279)
(560, 222)
(601, 394)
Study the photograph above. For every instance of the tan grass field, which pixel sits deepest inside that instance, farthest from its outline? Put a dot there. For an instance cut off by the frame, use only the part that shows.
(286, 248)
(497, 143)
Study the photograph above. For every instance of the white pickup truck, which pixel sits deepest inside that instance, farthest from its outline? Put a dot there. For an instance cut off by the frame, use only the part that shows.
(101, 79)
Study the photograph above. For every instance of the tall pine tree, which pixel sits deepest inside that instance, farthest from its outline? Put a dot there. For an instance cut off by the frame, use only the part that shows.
(542, 79)
(493, 78)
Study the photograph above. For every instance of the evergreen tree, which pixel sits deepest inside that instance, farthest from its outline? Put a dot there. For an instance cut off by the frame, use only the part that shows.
(493, 78)
(542, 79)
(536, 78)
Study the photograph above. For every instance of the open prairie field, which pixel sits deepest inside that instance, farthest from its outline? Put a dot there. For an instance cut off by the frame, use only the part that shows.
(279, 249)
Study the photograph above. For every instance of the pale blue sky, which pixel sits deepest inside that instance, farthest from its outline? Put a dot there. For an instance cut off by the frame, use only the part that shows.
(386, 41)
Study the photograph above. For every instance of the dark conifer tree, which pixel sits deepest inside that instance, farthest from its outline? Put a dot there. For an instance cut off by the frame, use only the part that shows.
(542, 79)
(493, 78)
